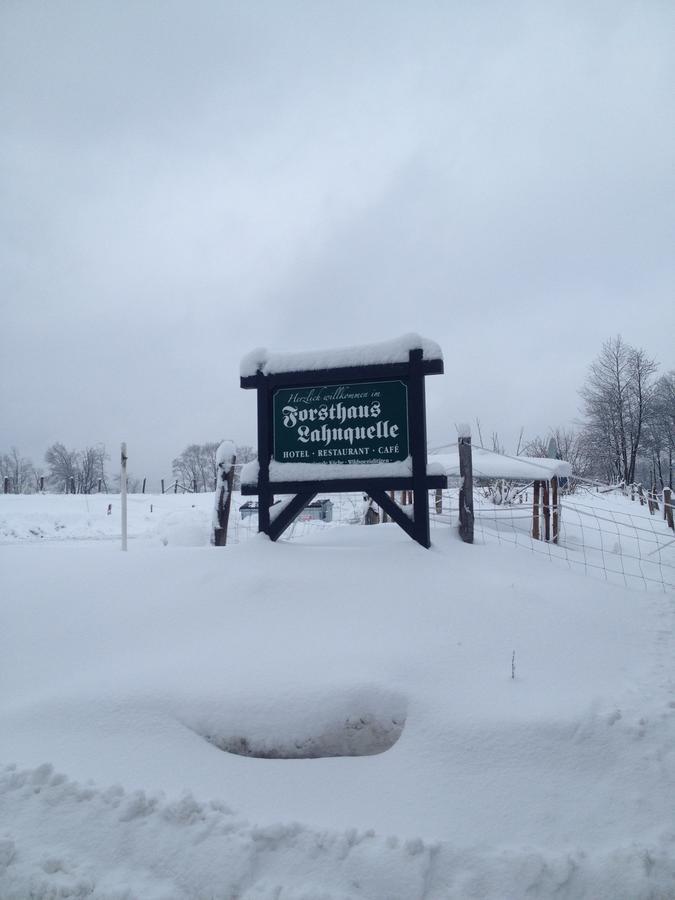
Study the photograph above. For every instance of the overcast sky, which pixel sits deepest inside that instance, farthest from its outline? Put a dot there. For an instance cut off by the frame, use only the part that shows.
(182, 182)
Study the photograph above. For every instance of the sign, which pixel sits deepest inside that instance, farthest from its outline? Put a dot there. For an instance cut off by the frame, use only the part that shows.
(351, 426)
(341, 423)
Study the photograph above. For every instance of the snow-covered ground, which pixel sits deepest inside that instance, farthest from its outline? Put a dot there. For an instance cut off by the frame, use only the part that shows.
(147, 698)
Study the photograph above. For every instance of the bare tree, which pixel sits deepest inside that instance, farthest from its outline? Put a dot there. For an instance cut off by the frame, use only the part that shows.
(619, 402)
(197, 465)
(91, 465)
(63, 466)
(80, 470)
(570, 446)
(19, 470)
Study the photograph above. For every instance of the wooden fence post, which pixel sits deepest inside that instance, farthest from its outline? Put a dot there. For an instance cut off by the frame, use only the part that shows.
(668, 507)
(194, 485)
(143, 488)
(224, 484)
(535, 509)
(556, 508)
(162, 485)
(6, 484)
(466, 490)
(72, 484)
(439, 501)
(175, 486)
(546, 511)
(655, 498)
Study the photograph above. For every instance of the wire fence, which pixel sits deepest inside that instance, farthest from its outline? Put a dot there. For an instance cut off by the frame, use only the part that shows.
(602, 535)
(597, 536)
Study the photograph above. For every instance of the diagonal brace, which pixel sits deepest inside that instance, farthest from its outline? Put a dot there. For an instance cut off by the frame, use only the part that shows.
(392, 509)
(281, 522)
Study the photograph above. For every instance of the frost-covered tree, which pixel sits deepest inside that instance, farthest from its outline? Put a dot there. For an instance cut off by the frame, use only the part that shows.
(19, 470)
(63, 466)
(78, 469)
(619, 403)
(197, 465)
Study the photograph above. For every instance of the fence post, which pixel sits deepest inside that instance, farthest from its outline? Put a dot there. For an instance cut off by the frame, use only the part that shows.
(535, 509)
(175, 486)
(194, 485)
(162, 485)
(225, 461)
(556, 508)
(466, 489)
(42, 483)
(143, 488)
(668, 507)
(547, 511)
(123, 492)
(6, 484)
(439, 501)
(72, 484)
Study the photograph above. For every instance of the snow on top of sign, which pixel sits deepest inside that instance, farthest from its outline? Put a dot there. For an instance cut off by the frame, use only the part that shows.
(393, 351)
(324, 471)
(486, 464)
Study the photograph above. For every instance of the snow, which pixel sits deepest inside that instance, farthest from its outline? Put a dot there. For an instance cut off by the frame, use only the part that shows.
(225, 455)
(146, 695)
(280, 472)
(487, 464)
(393, 351)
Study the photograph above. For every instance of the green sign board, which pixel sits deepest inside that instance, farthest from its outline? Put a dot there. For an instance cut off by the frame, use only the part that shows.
(343, 423)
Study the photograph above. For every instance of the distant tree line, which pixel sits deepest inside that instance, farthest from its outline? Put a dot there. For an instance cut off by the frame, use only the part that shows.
(84, 471)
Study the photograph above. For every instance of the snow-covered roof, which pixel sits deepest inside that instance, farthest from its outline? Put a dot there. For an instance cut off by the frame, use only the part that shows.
(487, 464)
(394, 351)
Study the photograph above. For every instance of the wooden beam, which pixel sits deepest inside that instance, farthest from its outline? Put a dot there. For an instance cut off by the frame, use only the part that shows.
(264, 453)
(535, 509)
(337, 376)
(290, 512)
(466, 515)
(547, 512)
(395, 512)
(345, 485)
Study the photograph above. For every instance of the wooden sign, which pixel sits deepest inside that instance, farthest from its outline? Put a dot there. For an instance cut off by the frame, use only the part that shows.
(344, 428)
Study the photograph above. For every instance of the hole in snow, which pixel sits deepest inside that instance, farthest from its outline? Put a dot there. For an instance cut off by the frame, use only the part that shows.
(355, 720)
(365, 734)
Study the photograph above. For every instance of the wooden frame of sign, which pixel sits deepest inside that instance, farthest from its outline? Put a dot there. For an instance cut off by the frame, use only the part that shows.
(414, 443)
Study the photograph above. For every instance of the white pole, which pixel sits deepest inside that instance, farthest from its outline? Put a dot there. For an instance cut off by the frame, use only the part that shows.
(123, 491)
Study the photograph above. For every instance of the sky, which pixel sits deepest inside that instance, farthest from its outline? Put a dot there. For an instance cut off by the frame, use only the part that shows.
(183, 182)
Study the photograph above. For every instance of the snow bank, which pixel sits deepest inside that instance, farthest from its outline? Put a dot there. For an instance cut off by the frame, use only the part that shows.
(108, 844)
(393, 351)
(140, 671)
